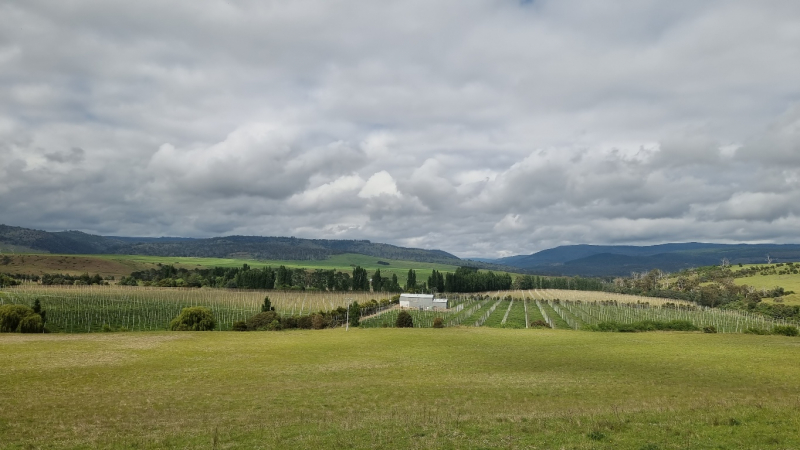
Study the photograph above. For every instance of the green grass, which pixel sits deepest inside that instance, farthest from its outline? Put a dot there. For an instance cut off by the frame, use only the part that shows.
(557, 320)
(344, 262)
(516, 317)
(790, 282)
(388, 388)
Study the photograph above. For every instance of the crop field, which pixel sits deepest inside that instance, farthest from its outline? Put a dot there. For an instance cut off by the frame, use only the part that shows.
(87, 308)
(79, 309)
(471, 388)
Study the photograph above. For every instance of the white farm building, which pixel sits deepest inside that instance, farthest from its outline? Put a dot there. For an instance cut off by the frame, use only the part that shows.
(422, 301)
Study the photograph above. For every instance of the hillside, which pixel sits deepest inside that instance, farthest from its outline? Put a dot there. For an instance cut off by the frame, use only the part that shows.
(238, 247)
(619, 260)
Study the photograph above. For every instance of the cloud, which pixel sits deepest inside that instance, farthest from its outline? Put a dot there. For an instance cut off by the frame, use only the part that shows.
(495, 127)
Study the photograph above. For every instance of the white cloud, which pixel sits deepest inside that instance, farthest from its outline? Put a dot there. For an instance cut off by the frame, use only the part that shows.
(379, 184)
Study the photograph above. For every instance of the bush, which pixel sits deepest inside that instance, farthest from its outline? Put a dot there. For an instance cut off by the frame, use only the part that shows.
(288, 322)
(318, 321)
(262, 320)
(540, 324)
(304, 322)
(786, 330)
(756, 331)
(438, 323)
(404, 320)
(710, 329)
(645, 325)
(11, 316)
(31, 323)
(197, 318)
(240, 325)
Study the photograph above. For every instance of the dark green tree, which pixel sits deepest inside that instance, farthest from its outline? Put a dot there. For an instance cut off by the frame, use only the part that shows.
(37, 308)
(411, 281)
(360, 279)
(377, 281)
(354, 312)
(404, 320)
(267, 306)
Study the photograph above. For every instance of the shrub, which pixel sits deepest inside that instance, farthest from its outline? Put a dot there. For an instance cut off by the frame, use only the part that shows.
(786, 330)
(304, 322)
(11, 316)
(240, 325)
(262, 320)
(710, 329)
(540, 324)
(288, 322)
(318, 321)
(645, 325)
(438, 323)
(267, 306)
(354, 314)
(759, 331)
(197, 318)
(31, 323)
(404, 320)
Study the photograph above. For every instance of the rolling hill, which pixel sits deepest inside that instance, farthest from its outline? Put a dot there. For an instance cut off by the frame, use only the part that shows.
(239, 247)
(620, 260)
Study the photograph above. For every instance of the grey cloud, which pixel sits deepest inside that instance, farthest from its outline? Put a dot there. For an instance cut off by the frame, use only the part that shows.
(493, 126)
(75, 155)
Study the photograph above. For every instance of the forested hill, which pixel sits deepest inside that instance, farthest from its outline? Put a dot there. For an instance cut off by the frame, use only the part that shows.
(255, 247)
(616, 260)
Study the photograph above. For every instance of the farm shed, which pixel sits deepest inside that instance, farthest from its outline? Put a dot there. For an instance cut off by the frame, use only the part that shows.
(423, 301)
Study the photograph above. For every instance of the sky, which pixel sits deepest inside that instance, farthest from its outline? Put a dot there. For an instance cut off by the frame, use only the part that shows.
(485, 128)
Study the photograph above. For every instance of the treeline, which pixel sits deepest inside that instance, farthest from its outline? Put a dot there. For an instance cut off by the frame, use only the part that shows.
(468, 279)
(281, 278)
(566, 283)
(66, 279)
(269, 320)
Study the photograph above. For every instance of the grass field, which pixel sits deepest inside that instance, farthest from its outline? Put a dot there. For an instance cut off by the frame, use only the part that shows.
(790, 282)
(119, 265)
(388, 388)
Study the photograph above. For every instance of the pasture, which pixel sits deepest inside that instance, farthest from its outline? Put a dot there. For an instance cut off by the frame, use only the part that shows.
(400, 388)
(790, 282)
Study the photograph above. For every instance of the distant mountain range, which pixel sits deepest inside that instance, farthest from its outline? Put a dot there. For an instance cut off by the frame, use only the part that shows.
(621, 260)
(583, 260)
(244, 247)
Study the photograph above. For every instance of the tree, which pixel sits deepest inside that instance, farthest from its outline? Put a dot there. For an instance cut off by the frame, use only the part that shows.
(411, 281)
(267, 306)
(404, 320)
(377, 281)
(354, 314)
(197, 318)
(360, 279)
(19, 319)
(37, 308)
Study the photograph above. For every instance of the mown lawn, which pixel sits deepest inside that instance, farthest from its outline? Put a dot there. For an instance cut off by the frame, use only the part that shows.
(400, 388)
